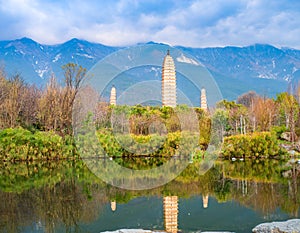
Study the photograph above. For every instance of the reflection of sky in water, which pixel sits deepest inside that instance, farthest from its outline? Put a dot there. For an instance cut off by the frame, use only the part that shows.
(148, 213)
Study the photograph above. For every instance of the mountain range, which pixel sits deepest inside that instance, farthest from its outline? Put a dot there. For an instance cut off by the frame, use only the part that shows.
(261, 67)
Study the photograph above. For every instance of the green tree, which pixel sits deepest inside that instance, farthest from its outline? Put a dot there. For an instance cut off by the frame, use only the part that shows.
(220, 123)
(289, 111)
(237, 116)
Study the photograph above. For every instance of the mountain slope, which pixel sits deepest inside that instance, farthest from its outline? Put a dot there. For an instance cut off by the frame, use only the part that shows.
(263, 68)
(36, 62)
(255, 61)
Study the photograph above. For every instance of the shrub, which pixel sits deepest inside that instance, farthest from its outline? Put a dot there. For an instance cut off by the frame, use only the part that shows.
(258, 144)
(20, 144)
(278, 130)
(117, 145)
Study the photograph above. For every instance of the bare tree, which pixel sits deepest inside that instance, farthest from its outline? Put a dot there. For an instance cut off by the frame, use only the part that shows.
(263, 112)
(74, 76)
(49, 106)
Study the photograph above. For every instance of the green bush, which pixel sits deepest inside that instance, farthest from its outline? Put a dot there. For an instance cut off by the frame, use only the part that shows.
(258, 144)
(180, 143)
(19, 144)
(278, 130)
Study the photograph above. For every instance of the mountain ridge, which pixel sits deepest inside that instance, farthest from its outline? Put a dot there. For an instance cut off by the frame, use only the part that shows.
(258, 67)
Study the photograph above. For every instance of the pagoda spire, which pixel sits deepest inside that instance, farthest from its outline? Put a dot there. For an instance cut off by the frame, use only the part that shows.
(203, 99)
(168, 81)
(113, 96)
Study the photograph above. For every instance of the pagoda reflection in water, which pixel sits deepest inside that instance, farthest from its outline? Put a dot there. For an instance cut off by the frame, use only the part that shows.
(170, 210)
(171, 213)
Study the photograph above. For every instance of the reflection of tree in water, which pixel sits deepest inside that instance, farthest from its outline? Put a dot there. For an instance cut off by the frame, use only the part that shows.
(293, 186)
(64, 204)
(142, 162)
(58, 198)
(262, 185)
(67, 203)
(14, 212)
(64, 194)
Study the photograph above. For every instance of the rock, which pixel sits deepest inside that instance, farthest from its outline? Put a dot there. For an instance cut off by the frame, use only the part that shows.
(287, 136)
(297, 146)
(292, 152)
(216, 232)
(149, 231)
(290, 226)
(133, 231)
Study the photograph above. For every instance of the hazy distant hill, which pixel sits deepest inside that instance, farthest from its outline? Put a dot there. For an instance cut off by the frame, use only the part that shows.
(263, 68)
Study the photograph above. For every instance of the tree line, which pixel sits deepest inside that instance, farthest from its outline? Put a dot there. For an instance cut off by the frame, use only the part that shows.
(254, 113)
(50, 109)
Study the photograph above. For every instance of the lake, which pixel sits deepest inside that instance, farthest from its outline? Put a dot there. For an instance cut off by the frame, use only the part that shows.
(64, 196)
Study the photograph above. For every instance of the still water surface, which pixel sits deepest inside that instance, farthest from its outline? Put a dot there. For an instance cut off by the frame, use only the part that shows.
(64, 196)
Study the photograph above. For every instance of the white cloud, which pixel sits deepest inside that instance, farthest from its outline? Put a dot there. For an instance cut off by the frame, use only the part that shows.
(197, 23)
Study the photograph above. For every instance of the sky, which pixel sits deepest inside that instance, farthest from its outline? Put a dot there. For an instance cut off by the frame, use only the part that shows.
(192, 23)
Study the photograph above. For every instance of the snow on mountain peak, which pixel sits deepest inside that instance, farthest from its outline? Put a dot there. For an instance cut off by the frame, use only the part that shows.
(57, 57)
(185, 59)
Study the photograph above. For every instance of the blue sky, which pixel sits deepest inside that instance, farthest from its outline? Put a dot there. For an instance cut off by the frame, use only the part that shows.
(194, 23)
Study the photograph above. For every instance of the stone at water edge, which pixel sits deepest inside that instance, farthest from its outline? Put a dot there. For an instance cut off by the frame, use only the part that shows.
(290, 226)
(217, 232)
(133, 231)
(149, 231)
(287, 136)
